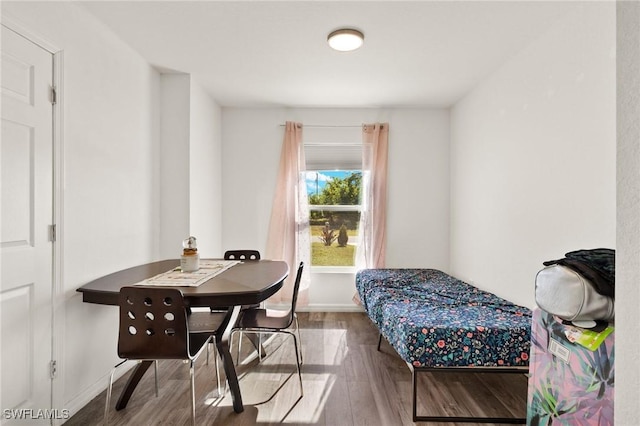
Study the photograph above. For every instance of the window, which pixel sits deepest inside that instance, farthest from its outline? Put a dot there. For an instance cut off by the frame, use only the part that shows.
(334, 216)
(334, 181)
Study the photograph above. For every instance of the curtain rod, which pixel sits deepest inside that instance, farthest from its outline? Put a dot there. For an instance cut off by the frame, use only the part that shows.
(340, 145)
(329, 125)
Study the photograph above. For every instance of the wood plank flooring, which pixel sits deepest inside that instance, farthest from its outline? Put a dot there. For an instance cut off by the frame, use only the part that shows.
(347, 381)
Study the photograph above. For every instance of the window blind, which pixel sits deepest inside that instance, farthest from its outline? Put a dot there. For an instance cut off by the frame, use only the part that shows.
(333, 148)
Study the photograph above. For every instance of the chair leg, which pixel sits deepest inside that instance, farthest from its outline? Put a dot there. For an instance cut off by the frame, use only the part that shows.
(231, 347)
(107, 403)
(215, 358)
(299, 338)
(212, 341)
(193, 394)
(239, 348)
(156, 371)
(295, 346)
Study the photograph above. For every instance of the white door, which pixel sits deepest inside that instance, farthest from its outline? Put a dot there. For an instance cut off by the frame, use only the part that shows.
(26, 209)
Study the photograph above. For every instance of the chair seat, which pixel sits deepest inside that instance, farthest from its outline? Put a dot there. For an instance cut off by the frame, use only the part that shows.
(205, 322)
(265, 319)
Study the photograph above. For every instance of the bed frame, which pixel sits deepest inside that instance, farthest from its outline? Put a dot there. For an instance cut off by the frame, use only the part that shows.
(397, 300)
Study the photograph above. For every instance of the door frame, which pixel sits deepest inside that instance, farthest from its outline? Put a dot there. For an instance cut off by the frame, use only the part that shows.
(58, 303)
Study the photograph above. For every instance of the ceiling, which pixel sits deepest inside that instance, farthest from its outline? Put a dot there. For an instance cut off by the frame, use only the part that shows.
(262, 53)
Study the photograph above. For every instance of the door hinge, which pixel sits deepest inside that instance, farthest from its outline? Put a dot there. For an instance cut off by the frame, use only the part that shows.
(54, 95)
(53, 367)
(52, 233)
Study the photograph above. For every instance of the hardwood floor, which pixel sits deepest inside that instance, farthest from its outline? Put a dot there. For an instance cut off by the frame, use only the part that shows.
(347, 381)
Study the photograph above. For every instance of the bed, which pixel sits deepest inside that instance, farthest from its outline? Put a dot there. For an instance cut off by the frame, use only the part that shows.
(437, 322)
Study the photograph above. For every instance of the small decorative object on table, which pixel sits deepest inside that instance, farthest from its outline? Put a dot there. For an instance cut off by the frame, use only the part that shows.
(190, 259)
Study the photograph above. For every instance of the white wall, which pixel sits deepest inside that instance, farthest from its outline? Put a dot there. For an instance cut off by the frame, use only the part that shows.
(174, 163)
(533, 157)
(628, 220)
(118, 194)
(191, 178)
(418, 195)
(111, 151)
(205, 172)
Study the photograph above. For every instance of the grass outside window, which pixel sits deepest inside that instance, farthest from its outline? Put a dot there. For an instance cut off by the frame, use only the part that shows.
(333, 255)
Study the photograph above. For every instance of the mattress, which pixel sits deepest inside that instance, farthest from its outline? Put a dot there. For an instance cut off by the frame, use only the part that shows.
(435, 320)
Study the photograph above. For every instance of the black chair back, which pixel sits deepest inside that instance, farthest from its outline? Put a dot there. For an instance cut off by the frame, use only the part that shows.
(296, 288)
(242, 255)
(153, 324)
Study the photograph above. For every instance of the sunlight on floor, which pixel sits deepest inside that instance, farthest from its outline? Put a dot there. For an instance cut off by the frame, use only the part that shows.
(272, 385)
(304, 410)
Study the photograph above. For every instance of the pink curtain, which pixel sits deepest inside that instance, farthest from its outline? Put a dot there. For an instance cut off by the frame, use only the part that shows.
(289, 237)
(375, 140)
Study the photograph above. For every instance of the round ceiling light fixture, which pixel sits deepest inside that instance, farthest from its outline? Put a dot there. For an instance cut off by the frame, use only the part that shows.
(345, 39)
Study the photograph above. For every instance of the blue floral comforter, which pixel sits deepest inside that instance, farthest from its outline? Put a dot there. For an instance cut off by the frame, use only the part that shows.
(435, 320)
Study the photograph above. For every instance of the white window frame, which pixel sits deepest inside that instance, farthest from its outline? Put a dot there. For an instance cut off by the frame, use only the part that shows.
(333, 208)
(338, 148)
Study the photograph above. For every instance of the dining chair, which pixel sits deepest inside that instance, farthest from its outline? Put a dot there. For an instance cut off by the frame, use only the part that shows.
(154, 325)
(250, 255)
(272, 321)
(242, 255)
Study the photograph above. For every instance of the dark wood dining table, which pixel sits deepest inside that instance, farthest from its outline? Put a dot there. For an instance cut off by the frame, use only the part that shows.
(246, 283)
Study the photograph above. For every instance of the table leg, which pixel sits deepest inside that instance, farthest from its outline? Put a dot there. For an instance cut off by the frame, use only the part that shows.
(222, 343)
(132, 383)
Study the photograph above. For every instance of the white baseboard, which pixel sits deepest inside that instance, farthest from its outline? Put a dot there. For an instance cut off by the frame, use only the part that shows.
(83, 398)
(331, 308)
(319, 307)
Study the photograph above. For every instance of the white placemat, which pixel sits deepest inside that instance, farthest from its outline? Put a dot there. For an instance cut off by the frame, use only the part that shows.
(176, 278)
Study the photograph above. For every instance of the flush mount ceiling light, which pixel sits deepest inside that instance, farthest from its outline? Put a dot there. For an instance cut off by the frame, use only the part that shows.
(345, 39)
